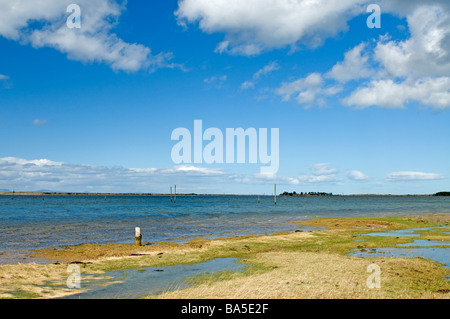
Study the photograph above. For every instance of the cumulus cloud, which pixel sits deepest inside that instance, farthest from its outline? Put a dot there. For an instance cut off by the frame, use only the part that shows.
(389, 94)
(426, 52)
(390, 73)
(42, 23)
(413, 176)
(415, 70)
(254, 26)
(308, 91)
(355, 66)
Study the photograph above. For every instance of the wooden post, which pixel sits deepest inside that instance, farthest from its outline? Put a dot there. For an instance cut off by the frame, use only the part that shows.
(138, 236)
(275, 192)
(170, 193)
(258, 198)
(175, 195)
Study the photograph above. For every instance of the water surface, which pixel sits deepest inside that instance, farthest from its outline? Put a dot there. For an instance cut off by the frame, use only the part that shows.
(33, 222)
(137, 283)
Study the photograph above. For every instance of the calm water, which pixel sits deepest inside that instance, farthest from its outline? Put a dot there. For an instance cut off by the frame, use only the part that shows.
(137, 283)
(430, 250)
(31, 222)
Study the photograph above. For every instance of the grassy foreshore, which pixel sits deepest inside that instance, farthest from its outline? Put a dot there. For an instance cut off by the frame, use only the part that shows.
(301, 264)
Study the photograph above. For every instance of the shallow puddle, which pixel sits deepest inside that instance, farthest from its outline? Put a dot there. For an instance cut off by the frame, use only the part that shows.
(411, 232)
(437, 254)
(425, 248)
(137, 283)
(425, 243)
(398, 233)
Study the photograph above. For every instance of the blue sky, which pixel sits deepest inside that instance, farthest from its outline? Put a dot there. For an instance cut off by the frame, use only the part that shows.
(359, 110)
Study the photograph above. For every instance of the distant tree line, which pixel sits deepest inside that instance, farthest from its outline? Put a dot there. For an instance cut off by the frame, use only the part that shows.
(306, 194)
(442, 194)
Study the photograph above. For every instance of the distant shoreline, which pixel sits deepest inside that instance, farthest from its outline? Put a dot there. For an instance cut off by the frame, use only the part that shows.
(193, 194)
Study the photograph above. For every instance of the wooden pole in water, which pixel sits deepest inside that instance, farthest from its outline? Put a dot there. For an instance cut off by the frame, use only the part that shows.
(138, 236)
(275, 192)
(170, 193)
(175, 195)
(258, 198)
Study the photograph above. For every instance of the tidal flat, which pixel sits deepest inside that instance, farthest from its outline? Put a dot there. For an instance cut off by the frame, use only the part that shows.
(316, 263)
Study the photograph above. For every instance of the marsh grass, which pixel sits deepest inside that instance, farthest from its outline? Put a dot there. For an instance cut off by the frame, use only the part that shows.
(308, 264)
(292, 275)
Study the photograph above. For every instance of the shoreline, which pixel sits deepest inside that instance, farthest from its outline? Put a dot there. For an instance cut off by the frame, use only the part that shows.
(9, 193)
(268, 259)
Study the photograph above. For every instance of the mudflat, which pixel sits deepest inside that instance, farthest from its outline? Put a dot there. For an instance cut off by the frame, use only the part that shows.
(300, 264)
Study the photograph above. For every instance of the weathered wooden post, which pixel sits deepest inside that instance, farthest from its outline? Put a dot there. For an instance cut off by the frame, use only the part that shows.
(138, 236)
(275, 192)
(175, 194)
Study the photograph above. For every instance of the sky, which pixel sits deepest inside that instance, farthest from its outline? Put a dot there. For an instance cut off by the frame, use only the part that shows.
(89, 99)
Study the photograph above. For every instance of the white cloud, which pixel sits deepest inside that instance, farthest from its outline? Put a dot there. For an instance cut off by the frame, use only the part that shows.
(192, 170)
(247, 85)
(403, 8)
(412, 176)
(42, 23)
(3, 77)
(308, 91)
(434, 92)
(415, 70)
(323, 169)
(357, 176)
(18, 173)
(320, 179)
(355, 66)
(273, 178)
(391, 74)
(426, 53)
(216, 80)
(321, 173)
(254, 26)
(21, 162)
(29, 175)
(267, 69)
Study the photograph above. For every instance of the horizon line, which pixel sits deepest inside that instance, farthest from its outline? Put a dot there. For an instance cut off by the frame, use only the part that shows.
(54, 193)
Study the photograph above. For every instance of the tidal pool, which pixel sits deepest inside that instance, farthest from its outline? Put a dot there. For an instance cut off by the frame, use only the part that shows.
(437, 254)
(425, 243)
(418, 248)
(398, 233)
(137, 283)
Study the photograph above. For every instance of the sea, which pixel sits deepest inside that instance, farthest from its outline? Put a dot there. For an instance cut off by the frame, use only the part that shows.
(53, 221)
